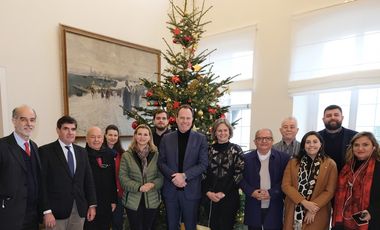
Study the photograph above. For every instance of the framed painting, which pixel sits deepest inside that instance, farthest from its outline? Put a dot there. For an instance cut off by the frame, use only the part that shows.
(101, 78)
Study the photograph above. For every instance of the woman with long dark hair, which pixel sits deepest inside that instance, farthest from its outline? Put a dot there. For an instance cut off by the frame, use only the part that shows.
(309, 184)
(112, 141)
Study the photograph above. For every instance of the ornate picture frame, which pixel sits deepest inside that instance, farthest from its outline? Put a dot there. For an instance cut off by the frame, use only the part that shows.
(101, 78)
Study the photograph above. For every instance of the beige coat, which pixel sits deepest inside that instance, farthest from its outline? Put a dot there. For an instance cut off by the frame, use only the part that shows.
(323, 192)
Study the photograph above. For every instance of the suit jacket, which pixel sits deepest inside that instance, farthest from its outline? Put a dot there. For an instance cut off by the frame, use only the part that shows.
(251, 182)
(323, 193)
(194, 164)
(59, 189)
(13, 182)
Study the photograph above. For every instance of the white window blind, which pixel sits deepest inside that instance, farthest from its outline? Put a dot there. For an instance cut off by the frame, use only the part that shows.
(234, 52)
(337, 46)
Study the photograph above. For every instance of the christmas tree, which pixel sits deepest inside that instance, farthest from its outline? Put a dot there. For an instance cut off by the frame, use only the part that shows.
(186, 79)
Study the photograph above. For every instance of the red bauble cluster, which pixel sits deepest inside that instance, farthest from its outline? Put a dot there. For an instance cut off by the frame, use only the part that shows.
(176, 104)
(171, 120)
(175, 79)
(212, 110)
(149, 93)
(135, 124)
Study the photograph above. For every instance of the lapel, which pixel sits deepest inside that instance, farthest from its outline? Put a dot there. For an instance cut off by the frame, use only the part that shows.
(174, 144)
(16, 151)
(61, 157)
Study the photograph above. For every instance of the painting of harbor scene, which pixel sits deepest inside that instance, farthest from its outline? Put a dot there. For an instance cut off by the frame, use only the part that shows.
(102, 78)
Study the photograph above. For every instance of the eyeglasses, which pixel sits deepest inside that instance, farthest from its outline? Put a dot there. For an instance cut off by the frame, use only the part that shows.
(262, 139)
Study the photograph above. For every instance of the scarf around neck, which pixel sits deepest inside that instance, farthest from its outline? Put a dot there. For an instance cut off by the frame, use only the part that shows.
(307, 178)
(353, 192)
(143, 154)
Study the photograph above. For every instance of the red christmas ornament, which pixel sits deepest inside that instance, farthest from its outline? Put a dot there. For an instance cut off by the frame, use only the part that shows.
(188, 38)
(155, 103)
(135, 124)
(171, 120)
(175, 79)
(222, 116)
(211, 110)
(176, 31)
(149, 93)
(176, 104)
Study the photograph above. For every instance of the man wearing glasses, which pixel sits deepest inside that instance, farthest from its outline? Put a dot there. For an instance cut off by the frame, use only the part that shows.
(261, 183)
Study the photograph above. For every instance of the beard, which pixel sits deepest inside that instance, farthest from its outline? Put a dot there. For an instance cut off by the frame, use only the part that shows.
(161, 128)
(333, 125)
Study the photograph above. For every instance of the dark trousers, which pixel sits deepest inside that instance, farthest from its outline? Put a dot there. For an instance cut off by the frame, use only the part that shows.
(181, 208)
(117, 218)
(102, 221)
(142, 218)
(30, 220)
(264, 212)
(223, 213)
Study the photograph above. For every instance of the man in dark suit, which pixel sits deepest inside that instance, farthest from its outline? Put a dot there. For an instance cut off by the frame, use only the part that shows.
(336, 137)
(68, 190)
(20, 173)
(182, 160)
(103, 171)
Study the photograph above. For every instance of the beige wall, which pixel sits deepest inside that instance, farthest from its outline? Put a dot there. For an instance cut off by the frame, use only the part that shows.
(30, 51)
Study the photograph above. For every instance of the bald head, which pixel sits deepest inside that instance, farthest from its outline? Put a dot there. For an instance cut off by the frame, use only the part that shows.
(94, 137)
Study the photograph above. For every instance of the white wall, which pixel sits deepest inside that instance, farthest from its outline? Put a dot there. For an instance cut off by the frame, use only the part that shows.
(30, 51)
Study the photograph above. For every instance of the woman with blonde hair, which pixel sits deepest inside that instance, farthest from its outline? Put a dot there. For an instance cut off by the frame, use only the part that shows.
(141, 180)
(357, 199)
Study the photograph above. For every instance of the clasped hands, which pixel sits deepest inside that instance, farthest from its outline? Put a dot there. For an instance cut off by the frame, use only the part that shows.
(312, 209)
(146, 187)
(179, 180)
(261, 194)
(215, 196)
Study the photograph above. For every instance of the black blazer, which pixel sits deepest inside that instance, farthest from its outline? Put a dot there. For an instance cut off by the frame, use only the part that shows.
(13, 182)
(59, 189)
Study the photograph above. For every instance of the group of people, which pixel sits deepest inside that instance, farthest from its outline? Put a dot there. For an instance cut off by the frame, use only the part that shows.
(287, 185)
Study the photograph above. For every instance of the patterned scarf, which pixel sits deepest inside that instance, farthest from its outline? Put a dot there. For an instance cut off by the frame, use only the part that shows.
(307, 178)
(143, 154)
(353, 193)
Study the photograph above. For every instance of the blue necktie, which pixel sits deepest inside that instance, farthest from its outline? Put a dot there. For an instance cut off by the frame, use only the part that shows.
(70, 160)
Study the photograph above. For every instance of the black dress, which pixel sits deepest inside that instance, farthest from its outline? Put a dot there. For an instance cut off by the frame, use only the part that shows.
(223, 175)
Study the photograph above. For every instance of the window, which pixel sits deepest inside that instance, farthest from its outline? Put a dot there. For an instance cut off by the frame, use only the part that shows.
(233, 51)
(361, 109)
(336, 60)
(240, 110)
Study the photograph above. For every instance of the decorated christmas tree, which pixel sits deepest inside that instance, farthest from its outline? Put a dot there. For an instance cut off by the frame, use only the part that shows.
(187, 79)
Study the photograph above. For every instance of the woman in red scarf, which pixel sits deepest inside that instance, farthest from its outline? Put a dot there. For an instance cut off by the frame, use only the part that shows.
(357, 198)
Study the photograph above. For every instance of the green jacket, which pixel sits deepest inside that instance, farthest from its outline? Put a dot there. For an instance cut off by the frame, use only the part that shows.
(131, 180)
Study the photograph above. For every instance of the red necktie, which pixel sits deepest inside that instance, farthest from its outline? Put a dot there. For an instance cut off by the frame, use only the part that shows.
(27, 149)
